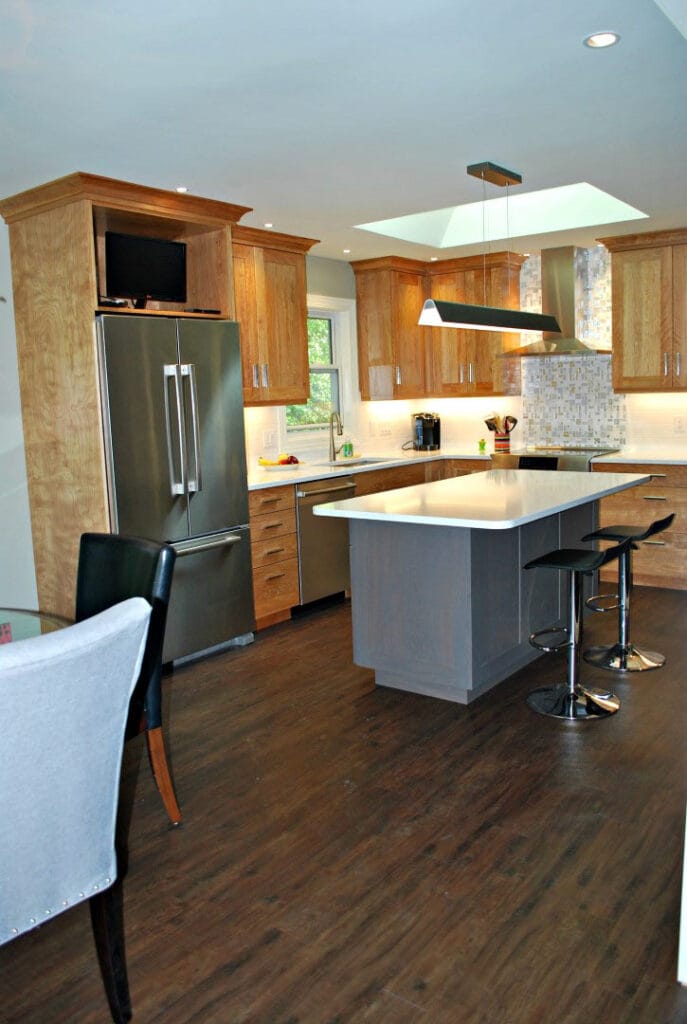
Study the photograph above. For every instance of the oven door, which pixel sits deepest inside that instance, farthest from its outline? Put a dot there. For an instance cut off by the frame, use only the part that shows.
(511, 460)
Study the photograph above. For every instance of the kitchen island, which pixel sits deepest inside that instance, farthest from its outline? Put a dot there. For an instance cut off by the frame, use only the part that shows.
(440, 603)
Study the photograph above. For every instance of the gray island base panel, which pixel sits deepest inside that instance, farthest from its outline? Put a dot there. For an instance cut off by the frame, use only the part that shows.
(447, 611)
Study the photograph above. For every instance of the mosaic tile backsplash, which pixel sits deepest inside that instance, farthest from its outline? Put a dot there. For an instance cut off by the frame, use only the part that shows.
(569, 400)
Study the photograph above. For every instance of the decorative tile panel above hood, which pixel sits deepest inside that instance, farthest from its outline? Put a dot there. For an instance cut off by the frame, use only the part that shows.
(575, 286)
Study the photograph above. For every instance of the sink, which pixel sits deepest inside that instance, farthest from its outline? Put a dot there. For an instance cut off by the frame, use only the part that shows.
(362, 461)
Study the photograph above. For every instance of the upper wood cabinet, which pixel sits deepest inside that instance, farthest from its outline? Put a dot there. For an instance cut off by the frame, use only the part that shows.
(649, 302)
(466, 362)
(399, 359)
(57, 235)
(392, 358)
(271, 308)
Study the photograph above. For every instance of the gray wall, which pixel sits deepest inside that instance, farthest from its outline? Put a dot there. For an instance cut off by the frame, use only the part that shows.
(17, 575)
(329, 277)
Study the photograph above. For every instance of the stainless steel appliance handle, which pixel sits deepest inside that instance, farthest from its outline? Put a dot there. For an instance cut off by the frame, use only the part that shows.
(325, 490)
(194, 484)
(178, 486)
(208, 544)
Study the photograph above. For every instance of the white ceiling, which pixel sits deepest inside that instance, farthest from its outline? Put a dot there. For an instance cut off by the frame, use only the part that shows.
(321, 115)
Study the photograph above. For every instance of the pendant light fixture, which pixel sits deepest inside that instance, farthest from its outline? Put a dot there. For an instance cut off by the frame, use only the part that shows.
(437, 313)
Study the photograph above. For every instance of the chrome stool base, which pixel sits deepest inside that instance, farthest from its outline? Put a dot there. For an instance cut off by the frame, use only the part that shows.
(585, 704)
(623, 658)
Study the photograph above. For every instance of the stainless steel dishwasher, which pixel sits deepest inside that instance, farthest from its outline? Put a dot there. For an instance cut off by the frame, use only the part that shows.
(322, 542)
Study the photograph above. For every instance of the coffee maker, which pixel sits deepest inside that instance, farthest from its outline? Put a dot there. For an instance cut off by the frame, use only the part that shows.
(426, 427)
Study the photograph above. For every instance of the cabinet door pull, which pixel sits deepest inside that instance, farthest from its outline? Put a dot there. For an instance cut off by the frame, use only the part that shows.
(265, 376)
(471, 376)
(665, 364)
(398, 375)
(655, 497)
(678, 363)
(461, 374)
(256, 376)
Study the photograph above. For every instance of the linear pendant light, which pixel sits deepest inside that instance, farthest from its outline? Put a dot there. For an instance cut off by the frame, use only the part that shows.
(436, 313)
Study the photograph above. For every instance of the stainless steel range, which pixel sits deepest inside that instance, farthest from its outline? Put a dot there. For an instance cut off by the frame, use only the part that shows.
(569, 459)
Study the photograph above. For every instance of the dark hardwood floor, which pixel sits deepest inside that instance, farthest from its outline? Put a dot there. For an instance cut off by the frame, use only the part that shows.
(352, 854)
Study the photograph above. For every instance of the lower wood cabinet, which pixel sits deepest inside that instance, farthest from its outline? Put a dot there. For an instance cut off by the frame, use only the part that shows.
(462, 467)
(274, 551)
(375, 480)
(660, 561)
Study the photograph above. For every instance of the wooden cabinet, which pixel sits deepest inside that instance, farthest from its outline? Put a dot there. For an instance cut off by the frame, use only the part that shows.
(399, 359)
(463, 467)
(392, 359)
(466, 362)
(274, 552)
(375, 480)
(660, 561)
(271, 308)
(649, 301)
(57, 236)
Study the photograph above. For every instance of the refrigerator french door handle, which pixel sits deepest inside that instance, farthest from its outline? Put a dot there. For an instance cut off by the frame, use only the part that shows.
(178, 486)
(194, 483)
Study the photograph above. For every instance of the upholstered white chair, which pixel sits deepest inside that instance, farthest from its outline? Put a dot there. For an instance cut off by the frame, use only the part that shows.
(64, 701)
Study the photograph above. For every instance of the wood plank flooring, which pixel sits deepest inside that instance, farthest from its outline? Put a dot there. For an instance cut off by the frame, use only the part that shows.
(352, 854)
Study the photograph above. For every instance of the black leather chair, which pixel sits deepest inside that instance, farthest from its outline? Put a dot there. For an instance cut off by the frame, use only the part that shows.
(111, 569)
(624, 656)
(571, 700)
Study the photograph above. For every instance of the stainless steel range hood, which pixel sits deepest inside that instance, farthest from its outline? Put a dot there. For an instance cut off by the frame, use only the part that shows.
(563, 281)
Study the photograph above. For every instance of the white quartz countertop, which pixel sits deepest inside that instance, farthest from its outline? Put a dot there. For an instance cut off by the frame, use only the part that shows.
(494, 500)
(318, 469)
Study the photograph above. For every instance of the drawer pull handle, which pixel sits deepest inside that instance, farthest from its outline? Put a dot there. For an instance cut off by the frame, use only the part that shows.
(269, 501)
(272, 526)
(655, 543)
(276, 576)
(274, 551)
(655, 497)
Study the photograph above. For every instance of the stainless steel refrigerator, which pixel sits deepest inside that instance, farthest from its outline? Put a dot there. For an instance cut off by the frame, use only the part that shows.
(176, 465)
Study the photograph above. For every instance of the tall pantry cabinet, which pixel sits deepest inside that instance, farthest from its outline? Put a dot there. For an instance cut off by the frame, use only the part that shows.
(57, 234)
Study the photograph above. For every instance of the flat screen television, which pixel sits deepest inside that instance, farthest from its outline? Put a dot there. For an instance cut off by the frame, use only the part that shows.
(141, 268)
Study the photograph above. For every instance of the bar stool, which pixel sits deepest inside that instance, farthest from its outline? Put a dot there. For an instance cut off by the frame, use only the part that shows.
(623, 656)
(571, 700)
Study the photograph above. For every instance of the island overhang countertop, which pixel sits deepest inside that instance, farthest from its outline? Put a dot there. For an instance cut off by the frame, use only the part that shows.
(499, 499)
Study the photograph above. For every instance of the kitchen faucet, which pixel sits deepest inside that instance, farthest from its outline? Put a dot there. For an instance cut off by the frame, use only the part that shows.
(333, 450)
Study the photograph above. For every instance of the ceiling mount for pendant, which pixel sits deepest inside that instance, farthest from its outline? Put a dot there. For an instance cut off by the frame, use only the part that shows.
(487, 318)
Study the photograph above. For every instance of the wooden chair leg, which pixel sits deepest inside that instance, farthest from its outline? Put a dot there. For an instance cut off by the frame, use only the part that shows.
(107, 920)
(163, 779)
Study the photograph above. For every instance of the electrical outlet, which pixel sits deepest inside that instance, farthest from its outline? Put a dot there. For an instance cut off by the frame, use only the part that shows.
(679, 425)
(268, 438)
(385, 430)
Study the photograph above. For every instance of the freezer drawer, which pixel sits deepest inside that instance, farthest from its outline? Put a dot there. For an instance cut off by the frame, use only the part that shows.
(212, 594)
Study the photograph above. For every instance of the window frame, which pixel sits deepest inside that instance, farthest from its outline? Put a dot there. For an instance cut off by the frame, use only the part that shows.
(341, 312)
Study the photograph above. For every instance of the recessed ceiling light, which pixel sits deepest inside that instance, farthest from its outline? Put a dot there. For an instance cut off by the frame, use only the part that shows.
(598, 40)
(182, 188)
(433, 259)
(346, 251)
(268, 224)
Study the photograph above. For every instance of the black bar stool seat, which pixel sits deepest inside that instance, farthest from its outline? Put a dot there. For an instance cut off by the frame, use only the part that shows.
(571, 700)
(623, 655)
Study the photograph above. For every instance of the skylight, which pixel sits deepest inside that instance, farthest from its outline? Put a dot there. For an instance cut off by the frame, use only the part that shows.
(529, 213)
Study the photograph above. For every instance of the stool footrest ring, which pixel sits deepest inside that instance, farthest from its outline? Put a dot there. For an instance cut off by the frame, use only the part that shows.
(595, 605)
(562, 645)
